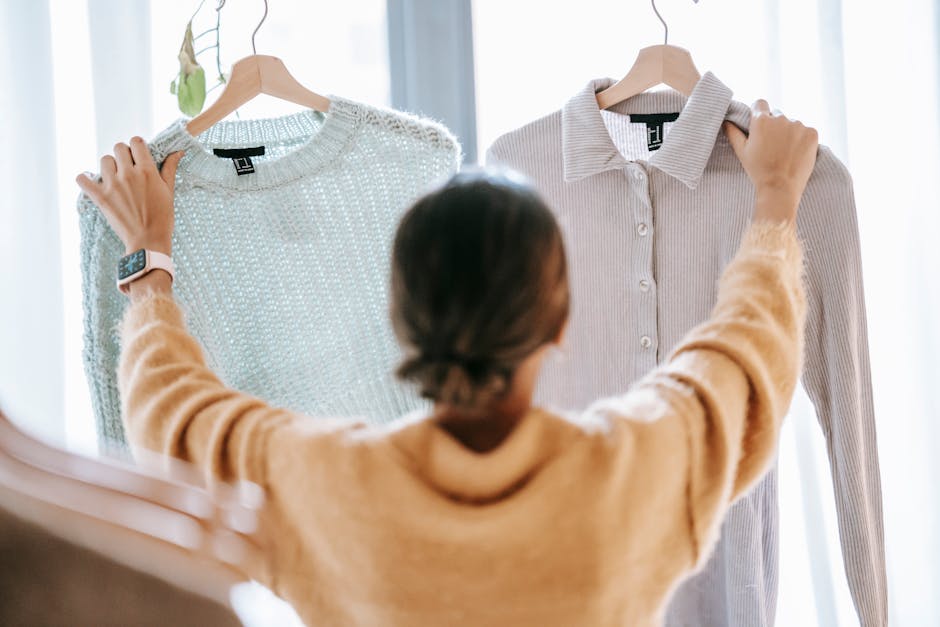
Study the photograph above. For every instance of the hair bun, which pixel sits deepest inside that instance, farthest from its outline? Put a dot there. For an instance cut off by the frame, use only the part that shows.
(456, 379)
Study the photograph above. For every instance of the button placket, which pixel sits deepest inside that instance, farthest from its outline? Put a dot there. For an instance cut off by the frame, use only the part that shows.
(643, 267)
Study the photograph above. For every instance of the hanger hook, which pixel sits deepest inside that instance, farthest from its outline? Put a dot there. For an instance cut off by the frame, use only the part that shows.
(198, 8)
(665, 26)
(258, 27)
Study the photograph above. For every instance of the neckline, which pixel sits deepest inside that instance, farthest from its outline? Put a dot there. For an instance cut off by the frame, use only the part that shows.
(463, 473)
(324, 137)
(589, 149)
(623, 127)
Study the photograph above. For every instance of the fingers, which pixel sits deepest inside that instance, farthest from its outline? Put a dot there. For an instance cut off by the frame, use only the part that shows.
(108, 167)
(141, 154)
(122, 155)
(91, 187)
(168, 171)
(736, 137)
(760, 106)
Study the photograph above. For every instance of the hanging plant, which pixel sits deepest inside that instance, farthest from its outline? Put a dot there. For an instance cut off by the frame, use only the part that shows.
(189, 86)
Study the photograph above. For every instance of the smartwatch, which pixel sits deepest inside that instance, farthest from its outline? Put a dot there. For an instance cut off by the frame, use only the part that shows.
(140, 262)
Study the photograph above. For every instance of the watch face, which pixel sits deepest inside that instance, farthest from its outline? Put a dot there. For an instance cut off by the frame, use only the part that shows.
(132, 264)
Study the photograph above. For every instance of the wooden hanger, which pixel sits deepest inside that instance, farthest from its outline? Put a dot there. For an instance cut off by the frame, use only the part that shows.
(253, 75)
(666, 64)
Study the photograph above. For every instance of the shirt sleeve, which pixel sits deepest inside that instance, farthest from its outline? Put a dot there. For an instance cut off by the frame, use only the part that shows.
(726, 386)
(174, 404)
(837, 379)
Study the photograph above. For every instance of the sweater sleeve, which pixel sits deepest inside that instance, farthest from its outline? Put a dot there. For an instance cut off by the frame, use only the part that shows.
(726, 387)
(172, 402)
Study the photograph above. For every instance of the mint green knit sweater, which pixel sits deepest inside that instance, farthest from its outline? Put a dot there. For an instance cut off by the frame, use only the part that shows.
(283, 271)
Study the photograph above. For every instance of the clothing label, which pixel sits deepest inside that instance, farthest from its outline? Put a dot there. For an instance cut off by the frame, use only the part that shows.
(654, 126)
(241, 157)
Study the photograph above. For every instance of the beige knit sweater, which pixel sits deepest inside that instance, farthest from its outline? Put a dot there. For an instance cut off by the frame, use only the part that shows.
(573, 520)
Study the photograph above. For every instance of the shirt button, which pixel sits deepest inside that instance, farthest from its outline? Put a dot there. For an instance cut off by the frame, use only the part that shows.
(645, 341)
(642, 229)
(638, 175)
(644, 285)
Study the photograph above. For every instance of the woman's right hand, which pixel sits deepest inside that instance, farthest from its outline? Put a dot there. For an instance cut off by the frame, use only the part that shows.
(778, 155)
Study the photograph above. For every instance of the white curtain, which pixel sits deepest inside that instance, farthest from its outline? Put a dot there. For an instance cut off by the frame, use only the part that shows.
(76, 80)
(125, 77)
(31, 322)
(892, 112)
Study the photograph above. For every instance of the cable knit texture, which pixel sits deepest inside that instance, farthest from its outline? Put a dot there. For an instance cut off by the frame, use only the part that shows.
(584, 519)
(282, 272)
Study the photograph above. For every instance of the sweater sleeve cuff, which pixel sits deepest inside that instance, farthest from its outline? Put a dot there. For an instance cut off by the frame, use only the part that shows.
(777, 239)
(150, 308)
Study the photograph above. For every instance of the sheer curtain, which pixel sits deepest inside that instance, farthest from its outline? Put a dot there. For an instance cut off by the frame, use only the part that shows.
(68, 97)
(31, 315)
(866, 75)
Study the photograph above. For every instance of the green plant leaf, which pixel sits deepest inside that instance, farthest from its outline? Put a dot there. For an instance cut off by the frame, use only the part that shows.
(191, 84)
(191, 94)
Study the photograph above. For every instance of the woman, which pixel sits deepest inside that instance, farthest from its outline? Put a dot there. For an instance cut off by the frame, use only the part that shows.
(488, 511)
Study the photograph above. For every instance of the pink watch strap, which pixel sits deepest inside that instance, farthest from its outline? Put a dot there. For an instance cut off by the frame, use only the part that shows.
(155, 261)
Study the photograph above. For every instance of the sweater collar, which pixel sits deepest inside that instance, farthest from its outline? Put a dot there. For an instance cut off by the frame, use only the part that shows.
(464, 474)
(304, 143)
(588, 148)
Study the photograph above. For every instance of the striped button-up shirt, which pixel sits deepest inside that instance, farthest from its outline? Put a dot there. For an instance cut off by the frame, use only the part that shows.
(652, 208)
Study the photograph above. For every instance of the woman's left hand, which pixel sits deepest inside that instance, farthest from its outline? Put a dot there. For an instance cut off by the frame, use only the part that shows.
(135, 197)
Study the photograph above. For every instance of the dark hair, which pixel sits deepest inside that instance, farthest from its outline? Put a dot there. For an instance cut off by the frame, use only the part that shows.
(479, 282)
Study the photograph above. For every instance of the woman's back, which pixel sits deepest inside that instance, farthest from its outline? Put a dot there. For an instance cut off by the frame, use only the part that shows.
(404, 526)
(590, 520)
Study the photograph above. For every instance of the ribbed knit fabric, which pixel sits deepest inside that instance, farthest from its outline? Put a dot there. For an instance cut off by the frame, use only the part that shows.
(648, 234)
(282, 272)
(578, 521)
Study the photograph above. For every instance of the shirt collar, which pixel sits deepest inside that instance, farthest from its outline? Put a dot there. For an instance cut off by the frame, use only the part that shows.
(588, 148)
